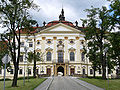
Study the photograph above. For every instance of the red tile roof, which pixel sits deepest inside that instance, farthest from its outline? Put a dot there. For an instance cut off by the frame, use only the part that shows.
(56, 22)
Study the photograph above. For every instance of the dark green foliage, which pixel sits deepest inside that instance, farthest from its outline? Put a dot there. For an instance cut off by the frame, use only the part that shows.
(115, 13)
(3, 51)
(97, 28)
(14, 16)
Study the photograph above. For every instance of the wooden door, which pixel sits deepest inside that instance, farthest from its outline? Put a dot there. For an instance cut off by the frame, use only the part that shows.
(49, 71)
(72, 71)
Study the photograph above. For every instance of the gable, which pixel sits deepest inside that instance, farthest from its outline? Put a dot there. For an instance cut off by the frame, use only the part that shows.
(60, 28)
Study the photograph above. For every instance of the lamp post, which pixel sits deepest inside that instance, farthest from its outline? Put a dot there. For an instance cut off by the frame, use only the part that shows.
(105, 50)
(25, 49)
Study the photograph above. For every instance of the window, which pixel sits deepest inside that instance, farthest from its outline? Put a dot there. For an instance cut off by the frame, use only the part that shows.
(20, 71)
(83, 71)
(71, 41)
(21, 58)
(36, 71)
(60, 42)
(0, 71)
(82, 42)
(49, 42)
(29, 71)
(60, 57)
(72, 56)
(38, 42)
(11, 71)
(91, 71)
(100, 71)
(83, 56)
(48, 56)
(22, 44)
(78, 71)
(117, 71)
(30, 44)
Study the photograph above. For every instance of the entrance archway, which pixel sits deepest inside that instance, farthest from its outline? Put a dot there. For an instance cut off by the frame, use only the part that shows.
(60, 69)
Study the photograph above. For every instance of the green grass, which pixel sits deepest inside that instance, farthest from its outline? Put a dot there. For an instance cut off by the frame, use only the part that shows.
(29, 85)
(114, 84)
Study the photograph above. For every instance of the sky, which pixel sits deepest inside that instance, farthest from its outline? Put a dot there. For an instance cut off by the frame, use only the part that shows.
(73, 9)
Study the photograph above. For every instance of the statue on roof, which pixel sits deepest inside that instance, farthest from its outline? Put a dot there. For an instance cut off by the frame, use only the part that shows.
(61, 16)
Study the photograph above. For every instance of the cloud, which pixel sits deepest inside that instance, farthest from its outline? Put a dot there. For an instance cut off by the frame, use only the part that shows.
(74, 9)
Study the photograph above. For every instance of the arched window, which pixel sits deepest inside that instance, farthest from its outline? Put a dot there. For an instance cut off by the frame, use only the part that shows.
(72, 56)
(48, 56)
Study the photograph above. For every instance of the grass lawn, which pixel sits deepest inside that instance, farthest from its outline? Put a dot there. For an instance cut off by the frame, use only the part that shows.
(29, 85)
(114, 84)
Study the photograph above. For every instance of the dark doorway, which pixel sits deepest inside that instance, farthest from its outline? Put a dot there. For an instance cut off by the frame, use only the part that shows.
(60, 69)
(48, 71)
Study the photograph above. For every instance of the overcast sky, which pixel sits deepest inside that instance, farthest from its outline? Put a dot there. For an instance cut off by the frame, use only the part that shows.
(73, 9)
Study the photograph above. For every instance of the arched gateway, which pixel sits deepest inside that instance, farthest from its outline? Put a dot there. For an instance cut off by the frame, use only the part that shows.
(60, 69)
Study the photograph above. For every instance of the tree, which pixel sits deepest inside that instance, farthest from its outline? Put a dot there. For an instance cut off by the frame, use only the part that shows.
(97, 28)
(3, 51)
(35, 56)
(115, 47)
(15, 18)
(91, 53)
(115, 13)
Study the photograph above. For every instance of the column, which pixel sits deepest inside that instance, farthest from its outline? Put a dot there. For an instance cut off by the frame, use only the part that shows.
(43, 46)
(54, 49)
(77, 56)
(66, 49)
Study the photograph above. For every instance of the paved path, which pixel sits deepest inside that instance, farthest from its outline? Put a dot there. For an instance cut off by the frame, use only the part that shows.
(45, 85)
(66, 83)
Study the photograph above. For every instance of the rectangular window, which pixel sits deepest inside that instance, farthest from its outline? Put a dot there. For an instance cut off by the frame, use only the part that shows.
(21, 58)
(100, 71)
(83, 57)
(83, 71)
(20, 71)
(22, 44)
(29, 71)
(91, 71)
(0, 71)
(11, 71)
(60, 57)
(36, 71)
(30, 44)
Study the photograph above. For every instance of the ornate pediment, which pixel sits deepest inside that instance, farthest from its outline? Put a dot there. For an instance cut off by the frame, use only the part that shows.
(59, 28)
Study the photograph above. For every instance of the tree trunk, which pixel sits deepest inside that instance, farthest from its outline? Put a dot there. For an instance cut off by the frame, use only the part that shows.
(104, 67)
(14, 83)
(34, 69)
(94, 73)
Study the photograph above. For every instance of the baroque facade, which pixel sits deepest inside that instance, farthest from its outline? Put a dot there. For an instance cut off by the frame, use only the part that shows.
(61, 43)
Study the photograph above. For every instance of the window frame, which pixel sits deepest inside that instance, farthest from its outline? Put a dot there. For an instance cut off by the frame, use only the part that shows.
(72, 56)
(82, 56)
(49, 55)
(30, 44)
(20, 72)
(22, 44)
